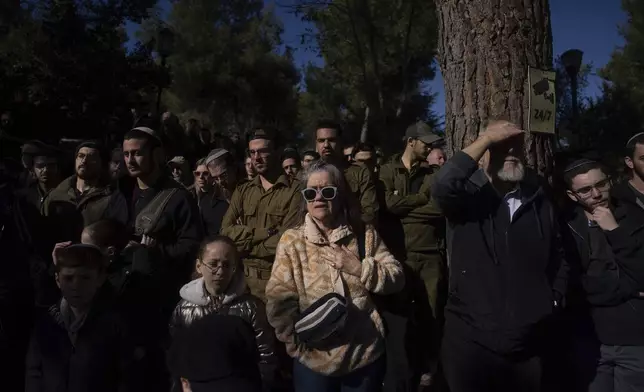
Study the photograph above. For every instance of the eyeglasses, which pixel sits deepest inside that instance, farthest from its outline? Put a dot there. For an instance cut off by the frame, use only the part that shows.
(601, 186)
(201, 174)
(221, 265)
(327, 193)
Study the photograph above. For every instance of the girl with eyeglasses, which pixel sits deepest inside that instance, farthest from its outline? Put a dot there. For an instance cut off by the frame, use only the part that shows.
(220, 287)
(331, 254)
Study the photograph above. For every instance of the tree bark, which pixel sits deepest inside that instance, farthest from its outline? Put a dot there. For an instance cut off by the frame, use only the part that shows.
(485, 49)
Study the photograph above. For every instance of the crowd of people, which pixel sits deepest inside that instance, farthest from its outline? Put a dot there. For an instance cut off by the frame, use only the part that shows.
(195, 264)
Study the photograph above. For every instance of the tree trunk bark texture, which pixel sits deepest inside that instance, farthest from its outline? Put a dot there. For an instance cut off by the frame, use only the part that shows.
(485, 48)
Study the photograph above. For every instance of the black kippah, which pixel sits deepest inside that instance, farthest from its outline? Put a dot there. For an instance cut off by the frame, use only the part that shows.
(578, 163)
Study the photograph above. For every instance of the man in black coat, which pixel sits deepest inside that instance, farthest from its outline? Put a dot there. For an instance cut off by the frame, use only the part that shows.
(606, 307)
(507, 275)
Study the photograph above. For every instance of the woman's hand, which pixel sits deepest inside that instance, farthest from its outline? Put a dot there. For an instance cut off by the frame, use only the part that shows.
(345, 260)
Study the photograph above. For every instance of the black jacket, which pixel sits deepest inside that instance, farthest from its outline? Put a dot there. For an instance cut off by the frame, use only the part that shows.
(100, 360)
(505, 275)
(603, 299)
(211, 211)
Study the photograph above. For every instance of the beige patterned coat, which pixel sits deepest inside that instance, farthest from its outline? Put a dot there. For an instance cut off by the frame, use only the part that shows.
(300, 276)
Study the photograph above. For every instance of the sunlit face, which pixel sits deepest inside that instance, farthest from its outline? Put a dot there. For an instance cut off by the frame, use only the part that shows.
(320, 208)
(327, 142)
(590, 189)
(45, 169)
(139, 159)
(78, 285)
(419, 149)
(436, 157)
(636, 163)
(291, 167)
(261, 154)
(217, 266)
(202, 177)
(88, 163)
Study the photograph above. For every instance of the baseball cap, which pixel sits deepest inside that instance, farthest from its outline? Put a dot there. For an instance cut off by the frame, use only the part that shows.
(422, 132)
(179, 160)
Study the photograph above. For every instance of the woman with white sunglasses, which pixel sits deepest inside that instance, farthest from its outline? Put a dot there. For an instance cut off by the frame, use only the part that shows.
(319, 294)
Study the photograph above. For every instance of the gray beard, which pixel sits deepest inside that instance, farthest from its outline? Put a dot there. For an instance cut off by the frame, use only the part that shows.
(514, 175)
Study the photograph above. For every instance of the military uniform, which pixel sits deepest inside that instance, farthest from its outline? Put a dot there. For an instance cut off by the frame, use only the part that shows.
(255, 221)
(361, 182)
(421, 244)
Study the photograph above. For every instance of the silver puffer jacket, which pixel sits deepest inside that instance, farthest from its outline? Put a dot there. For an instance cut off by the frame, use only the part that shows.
(196, 303)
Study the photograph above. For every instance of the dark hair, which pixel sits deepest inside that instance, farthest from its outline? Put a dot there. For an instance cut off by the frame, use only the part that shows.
(580, 166)
(150, 141)
(363, 147)
(632, 144)
(330, 124)
(291, 154)
(81, 256)
(108, 232)
(311, 153)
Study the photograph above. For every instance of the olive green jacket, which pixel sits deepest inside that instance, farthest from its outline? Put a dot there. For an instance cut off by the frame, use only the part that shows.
(253, 211)
(362, 184)
(408, 198)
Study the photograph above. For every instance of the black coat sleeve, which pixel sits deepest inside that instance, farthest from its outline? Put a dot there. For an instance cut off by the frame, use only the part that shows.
(452, 189)
(187, 230)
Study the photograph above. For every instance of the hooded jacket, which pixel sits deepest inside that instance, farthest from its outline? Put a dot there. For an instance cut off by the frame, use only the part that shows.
(69, 213)
(195, 304)
(506, 273)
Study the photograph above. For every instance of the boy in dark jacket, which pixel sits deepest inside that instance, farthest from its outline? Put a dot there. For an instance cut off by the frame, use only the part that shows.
(506, 273)
(608, 264)
(81, 343)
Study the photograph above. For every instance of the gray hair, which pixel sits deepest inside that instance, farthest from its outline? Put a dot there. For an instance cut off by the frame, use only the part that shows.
(344, 195)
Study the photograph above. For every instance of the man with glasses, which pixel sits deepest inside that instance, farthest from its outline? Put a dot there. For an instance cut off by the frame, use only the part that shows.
(85, 197)
(607, 307)
(328, 138)
(211, 207)
(223, 172)
(261, 210)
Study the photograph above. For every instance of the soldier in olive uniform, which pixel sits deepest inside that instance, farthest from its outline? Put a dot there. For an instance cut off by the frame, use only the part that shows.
(406, 180)
(261, 210)
(359, 178)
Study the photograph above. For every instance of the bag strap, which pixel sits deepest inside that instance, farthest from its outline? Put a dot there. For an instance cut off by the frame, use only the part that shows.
(149, 217)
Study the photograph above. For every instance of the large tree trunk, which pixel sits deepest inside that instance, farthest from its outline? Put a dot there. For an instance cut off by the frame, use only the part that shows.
(485, 48)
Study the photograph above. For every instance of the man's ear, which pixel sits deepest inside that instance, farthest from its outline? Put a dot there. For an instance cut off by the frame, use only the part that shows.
(57, 278)
(628, 162)
(111, 251)
(572, 196)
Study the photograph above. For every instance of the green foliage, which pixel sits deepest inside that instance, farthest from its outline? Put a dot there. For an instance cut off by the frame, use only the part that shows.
(377, 54)
(227, 65)
(626, 67)
(71, 53)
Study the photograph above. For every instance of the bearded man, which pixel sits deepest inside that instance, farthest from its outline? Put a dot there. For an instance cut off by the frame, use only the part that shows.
(506, 273)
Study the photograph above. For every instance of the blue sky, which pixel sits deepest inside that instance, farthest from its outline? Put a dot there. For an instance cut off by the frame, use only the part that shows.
(589, 25)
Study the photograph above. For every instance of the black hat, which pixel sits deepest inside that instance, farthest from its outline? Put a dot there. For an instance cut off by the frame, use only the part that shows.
(217, 353)
(423, 132)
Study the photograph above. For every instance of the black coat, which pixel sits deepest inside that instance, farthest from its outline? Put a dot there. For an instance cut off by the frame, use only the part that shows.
(101, 359)
(605, 304)
(506, 275)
